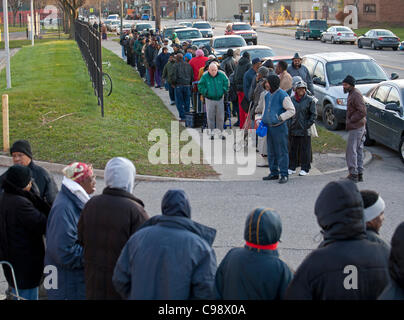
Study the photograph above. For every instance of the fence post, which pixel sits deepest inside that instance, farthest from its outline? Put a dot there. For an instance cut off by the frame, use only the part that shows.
(6, 130)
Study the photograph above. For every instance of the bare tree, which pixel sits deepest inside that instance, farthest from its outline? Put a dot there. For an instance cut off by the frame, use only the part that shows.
(71, 10)
(15, 6)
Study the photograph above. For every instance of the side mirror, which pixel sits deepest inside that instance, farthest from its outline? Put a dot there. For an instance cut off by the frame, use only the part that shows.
(317, 80)
(394, 76)
(394, 107)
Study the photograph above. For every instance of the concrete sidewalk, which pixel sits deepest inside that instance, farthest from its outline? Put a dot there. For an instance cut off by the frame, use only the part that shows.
(236, 166)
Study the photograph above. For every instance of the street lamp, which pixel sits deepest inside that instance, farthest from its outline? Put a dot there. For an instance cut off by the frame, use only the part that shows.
(6, 43)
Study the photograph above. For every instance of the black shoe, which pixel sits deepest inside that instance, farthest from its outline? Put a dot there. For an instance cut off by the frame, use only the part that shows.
(270, 177)
(212, 137)
(237, 124)
(283, 179)
(360, 177)
(353, 177)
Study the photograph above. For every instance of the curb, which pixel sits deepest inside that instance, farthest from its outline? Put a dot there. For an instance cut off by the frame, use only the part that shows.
(368, 160)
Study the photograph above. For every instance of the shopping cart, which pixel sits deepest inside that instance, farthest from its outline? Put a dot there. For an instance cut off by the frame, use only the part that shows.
(242, 142)
(16, 295)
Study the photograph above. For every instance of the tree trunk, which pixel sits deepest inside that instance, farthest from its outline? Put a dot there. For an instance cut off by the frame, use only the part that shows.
(73, 17)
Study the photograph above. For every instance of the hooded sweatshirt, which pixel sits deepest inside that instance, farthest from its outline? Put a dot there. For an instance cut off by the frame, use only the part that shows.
(106, 224)
(169, 258)
(344, 253)
(395, 289)
(255, 272)
(243, 65)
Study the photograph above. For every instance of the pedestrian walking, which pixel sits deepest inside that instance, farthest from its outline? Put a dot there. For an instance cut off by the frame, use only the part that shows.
(213, 85)
(183, 76)
(171, 247)
(255, 272)
(23, 216)
(63, 249)
(299, 130)
(278, 109)
(284, 76)
(104, 31)
(106, 224)
(356, 127)
(243, 66)
(346, 266)
(297, 69)
(395, 289)
(374, 207)
(43, 183)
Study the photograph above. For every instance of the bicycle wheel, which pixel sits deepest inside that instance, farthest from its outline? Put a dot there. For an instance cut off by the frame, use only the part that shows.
(106, 84)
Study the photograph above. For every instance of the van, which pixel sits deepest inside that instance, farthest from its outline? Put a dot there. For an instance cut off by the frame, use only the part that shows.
(113, 17)
(310, 29)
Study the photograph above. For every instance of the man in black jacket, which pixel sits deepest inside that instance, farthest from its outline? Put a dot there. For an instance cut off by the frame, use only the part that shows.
(43, 182)
(150, 56)
(346, 266)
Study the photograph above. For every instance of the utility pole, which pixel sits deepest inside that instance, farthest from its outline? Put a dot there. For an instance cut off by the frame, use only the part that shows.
(175, 10)
(251, 12)
(6, 43)
(158, 16)
(32, 22)
(121, 17)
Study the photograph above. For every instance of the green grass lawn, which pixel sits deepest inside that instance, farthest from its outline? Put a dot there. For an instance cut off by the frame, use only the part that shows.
(399, 32)
(52, 104)
(327, 142)
(20, 43)
(12, 29)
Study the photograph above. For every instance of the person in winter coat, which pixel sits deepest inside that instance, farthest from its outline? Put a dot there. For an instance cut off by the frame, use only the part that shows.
(170, 257)
(63, 249)
(197, 63)
(259, 88)
(229, 63)
(161, 61)
(395, 289)
(284, 76)
(297, 69)
(150, 55)
(168, 76)
(278, 109)
(259, 112)
(250, 76)
(106, 224)
(243, 66)
(346, 266)
(213, 85)
(255, 272)
(23, 217)
(43, 183)
(299, 130)
(183, 76)
(374, 207)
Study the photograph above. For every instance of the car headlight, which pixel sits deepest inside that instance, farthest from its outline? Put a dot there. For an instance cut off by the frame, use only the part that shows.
(342, 101)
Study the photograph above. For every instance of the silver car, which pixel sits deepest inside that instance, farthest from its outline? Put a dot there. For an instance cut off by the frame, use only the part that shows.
(339, 34)
(329, 69)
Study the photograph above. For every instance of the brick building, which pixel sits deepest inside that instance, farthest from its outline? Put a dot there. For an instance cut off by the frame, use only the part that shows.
(379, 11)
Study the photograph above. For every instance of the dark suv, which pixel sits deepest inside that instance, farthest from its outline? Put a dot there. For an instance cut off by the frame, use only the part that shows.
(310, 29)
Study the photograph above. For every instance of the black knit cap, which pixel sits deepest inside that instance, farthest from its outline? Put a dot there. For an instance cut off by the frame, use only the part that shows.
(19, 176)
(350, 80)
(22, 146)
(274, 82)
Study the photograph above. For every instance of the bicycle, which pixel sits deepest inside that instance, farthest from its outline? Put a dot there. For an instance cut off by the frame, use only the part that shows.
(106, 81)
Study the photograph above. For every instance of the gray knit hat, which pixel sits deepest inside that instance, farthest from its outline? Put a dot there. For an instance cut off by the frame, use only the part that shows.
(263, 71)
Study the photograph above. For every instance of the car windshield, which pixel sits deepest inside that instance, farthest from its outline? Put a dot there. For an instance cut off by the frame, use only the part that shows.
(188, 34)
(229, 43)
(141, 27)
(318, 24)
(343, 29)
(238, 27)
(202, 26)
(364, 71)
(188, 24)
(259, 53)
(385, 33)
(199, 43)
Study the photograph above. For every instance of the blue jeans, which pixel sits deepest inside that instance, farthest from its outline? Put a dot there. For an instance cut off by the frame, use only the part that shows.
(123, 52)
(28, 294)
(147, 76)
(182, 100)
(171, 91)
(278, 153)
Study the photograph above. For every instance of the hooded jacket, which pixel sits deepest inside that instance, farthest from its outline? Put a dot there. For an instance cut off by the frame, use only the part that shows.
(243, 65)
(325, 273)
(304, 117)
(395, 289)
(214, 88)
(197, 63)
(106, 224)
(169, 258)
(253, 273)
(228, 65)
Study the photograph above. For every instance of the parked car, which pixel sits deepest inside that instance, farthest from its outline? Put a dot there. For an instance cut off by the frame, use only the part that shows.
(385, 116)
(188, 34)
(221, 44)
(329, 69)
(261, 52)
(113, 17)
(200, 42)
(276, 59)
(143, 26)
(339, 34)
(168, 31)
(310, 29)
(113, 25)
(185, 24)
(242, 29)
(402, 46)
(379, 39)
(205, 28)
(126, 27)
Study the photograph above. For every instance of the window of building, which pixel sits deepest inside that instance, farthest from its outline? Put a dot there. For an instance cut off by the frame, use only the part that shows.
(369, 8)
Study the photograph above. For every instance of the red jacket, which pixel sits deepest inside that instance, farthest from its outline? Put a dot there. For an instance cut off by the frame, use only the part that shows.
(197, 63)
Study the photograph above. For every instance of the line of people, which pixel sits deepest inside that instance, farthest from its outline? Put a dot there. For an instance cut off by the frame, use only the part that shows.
(108, 247)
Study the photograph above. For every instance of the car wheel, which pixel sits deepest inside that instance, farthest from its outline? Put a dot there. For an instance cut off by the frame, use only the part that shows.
(255, 42)
(332, 40)
(322, 39)
(368, 142)
(401, 149)
(360, 44)
(297, 36)
(307, 37)
(395, 48)
(352, 42)
(329, 119)
(372, 45)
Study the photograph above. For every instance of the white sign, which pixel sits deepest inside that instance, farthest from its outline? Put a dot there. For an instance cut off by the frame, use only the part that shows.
(257, 17)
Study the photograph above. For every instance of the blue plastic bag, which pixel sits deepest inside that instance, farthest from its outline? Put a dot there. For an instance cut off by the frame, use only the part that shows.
(261, 130)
